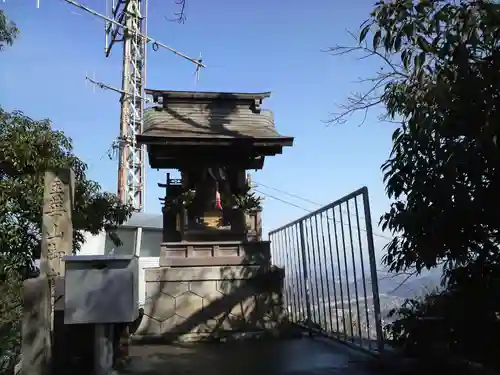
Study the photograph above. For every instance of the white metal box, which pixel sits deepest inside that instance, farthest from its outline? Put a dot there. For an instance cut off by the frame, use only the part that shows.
(100, 289)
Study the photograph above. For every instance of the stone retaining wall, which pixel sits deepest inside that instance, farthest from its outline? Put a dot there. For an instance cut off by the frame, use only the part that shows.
(197, 303)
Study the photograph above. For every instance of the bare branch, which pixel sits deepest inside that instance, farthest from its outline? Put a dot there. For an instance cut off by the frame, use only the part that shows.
(341, 117)
(391, 275)
(373, 96)
(180, 16)
(408, 276)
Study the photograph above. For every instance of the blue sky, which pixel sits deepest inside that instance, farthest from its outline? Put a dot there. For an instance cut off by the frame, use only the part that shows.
(248, 46)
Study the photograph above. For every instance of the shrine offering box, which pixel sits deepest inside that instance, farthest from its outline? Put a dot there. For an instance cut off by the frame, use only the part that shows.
(101, 289)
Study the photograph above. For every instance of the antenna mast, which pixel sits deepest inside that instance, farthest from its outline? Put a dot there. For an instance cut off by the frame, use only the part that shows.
(126, 22)
(131, 158)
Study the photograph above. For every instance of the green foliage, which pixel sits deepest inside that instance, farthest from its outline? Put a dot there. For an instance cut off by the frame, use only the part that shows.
(247, 200)
(27, 149)
(184, 200)
(441, 83)
(10, 316)
(441, 172)
(460, 322)
(8, 31)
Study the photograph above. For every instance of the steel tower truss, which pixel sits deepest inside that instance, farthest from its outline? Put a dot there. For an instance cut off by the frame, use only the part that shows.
(131, 157)
(126, 22)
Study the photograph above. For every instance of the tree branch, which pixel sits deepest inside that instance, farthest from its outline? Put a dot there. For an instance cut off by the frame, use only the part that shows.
(180, 16)
(408, 276)
(373, 96)
(390, 275)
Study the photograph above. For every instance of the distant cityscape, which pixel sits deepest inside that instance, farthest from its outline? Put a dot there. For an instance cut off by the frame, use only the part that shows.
(335, 308)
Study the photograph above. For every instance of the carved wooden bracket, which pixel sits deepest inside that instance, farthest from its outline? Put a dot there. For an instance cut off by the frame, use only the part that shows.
(256, 105)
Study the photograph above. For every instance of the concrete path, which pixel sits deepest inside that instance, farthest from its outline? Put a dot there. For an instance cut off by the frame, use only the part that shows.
(288, 357)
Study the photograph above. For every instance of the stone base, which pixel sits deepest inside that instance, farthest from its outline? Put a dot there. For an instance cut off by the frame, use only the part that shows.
(37, 356)
(227, 253)
(200, 303)
(200, 233)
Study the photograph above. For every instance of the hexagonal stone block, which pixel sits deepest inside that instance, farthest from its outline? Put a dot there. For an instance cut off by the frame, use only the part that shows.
(230, 323)
(188, 304)
(160, 307)
(248, 307)
(174, 288)
(245, 310)
(203, 287)
(153, 289)
(237, 310)
(212, 297)
(149, 326)
(227, 286)
(208, 326)
(174, 324)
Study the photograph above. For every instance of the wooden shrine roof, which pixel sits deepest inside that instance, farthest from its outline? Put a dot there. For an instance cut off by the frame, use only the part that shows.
(209, 116)
(170, 95)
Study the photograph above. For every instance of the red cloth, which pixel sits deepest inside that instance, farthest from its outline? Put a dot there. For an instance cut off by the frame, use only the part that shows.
(218, 204)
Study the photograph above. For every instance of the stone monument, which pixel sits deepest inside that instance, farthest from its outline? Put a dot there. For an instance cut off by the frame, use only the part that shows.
(40, 294)
(57, 236)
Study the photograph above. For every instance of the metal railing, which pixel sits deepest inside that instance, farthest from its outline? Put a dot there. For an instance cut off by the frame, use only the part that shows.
(330, 272)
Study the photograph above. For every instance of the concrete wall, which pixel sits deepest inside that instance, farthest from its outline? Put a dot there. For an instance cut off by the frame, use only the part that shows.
(144, 264)
(94, 244)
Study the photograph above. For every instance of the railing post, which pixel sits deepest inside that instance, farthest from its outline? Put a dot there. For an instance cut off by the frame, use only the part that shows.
(306, 277)
(373, 271)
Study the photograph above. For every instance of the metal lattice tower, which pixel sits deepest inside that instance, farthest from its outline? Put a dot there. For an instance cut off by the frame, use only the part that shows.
(131, 158)
(126, 22)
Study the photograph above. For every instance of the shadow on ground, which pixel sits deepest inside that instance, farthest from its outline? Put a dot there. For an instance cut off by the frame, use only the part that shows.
(278, 357)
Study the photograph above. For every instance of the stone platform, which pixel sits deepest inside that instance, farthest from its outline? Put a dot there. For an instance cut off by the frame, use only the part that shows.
(198, 303)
